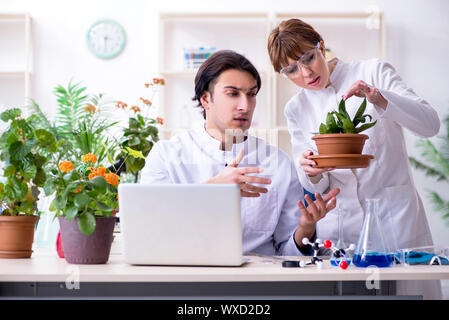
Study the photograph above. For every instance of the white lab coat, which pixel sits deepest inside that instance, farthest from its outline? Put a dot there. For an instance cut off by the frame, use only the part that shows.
(269, 221)
(388, 177)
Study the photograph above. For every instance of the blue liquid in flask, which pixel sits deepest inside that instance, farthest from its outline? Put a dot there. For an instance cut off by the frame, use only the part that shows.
(373, 259)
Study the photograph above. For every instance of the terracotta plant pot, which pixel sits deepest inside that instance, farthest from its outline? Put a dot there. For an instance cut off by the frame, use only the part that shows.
(87, 249)
(340, 143)
(16, 236)
(342, 161)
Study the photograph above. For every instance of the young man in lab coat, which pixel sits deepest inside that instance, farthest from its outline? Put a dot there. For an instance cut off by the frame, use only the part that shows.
(274, 219)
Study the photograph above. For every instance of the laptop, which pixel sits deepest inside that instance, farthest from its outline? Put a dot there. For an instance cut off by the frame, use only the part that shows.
(181, 224)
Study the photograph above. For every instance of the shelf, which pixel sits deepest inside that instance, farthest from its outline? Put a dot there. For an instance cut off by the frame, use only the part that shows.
(212, 16)
(15, 58)
(247, 34)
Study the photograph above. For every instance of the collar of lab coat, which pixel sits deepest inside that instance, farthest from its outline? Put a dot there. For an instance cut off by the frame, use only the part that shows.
(336, 73)
(212, 147)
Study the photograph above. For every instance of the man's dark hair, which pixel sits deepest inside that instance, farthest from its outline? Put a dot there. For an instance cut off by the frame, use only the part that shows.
(214, 66)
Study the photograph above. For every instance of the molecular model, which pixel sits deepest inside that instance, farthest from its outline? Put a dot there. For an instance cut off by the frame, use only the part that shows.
(337, 253)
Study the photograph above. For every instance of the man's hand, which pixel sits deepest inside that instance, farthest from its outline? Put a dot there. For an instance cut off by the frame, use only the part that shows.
(315, 211)
(308, 165)
(233, 174)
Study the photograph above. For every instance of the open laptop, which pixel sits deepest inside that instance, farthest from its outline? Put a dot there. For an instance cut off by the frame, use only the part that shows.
(181, 224)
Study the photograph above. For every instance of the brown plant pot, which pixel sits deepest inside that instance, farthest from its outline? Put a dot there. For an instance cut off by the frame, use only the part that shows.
(87, 249)
(342, 161)
(16, 236)
(340, 143)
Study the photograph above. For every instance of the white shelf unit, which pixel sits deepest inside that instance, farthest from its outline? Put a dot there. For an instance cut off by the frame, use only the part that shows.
(351, 36)
(16, 59)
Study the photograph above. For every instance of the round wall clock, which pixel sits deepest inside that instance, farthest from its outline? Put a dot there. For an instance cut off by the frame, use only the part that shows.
(106, 39)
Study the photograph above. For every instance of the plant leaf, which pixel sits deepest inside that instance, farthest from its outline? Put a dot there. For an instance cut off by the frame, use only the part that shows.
(81, 200)
(10, 114)
(365, 127)
(71, 213)
(342, 109)
(348, 126)
(86, 223)
(359, 113)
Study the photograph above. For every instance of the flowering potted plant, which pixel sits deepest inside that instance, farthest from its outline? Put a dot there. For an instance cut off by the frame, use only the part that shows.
(22, 146)
(140, 135)
(85, 192)
(339, 142)
(85, 203)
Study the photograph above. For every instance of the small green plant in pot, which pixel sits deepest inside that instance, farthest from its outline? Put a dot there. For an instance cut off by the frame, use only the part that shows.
(85, 203)
(22, 148)
(339, 141)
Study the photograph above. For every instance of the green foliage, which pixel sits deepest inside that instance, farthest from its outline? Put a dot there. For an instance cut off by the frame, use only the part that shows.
(438, 168)
(22, 146)
(140, 135)
(341, 122)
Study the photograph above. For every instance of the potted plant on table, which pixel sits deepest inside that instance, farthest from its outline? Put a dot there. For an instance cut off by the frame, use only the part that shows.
(85, 203)
(85, 193)
(339, 142)
(22, 146)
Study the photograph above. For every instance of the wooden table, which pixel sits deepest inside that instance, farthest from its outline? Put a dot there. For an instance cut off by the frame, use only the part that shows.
(46, 275)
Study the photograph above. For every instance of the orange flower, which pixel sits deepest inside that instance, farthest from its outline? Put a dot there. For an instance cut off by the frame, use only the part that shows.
(121, 105)
(146, 101)
(160, 120)
(135, 109)
(111, 178)
(100, 171)
(79, 189)
(66, 166)
(90, 108)
(89, 158)
(159, 81)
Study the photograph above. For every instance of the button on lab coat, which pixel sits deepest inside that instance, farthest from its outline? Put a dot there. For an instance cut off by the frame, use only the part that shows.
(269, 221)
(389, 176)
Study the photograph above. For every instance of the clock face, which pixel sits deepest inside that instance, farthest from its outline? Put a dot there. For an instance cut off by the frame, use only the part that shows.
(106, 39)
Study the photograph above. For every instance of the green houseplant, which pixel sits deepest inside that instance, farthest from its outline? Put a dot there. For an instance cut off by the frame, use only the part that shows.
(435, 165)
(85, 192)
(140, 135)
(340, 142)
(22, 148)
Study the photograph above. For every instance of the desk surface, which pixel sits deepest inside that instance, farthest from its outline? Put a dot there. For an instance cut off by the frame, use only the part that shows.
(45, 266)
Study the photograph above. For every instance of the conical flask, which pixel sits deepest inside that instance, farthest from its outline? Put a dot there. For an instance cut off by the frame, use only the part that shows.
(371, 249)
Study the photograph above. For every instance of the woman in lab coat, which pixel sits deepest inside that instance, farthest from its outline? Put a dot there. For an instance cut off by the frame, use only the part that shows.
(297, 52)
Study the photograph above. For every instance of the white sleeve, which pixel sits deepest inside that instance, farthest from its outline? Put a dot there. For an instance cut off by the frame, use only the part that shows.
(289, 217)
(155, 170)
(299, 145)
(404, 106)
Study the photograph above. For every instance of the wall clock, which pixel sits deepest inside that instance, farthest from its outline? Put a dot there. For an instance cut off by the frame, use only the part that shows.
(106, 39)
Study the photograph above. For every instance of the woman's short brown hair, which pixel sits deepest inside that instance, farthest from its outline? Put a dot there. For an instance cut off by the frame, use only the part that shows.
(290, 39)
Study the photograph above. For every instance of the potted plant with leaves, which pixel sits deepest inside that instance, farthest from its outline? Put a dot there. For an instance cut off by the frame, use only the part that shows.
(435, 164)
(22, 147)
(81, 129)
(140, 135)
(85, 203)
(339, 141)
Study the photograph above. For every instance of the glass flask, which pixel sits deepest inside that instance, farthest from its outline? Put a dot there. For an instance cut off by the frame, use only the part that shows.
(342, 254)
(371, 249)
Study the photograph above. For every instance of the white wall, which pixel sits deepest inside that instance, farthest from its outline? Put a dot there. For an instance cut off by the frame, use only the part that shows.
(417, 45)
